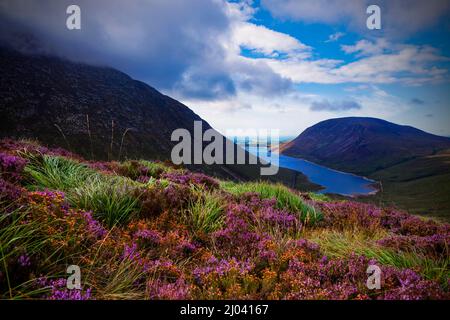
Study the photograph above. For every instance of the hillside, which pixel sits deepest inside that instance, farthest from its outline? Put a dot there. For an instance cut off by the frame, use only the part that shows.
(100, 113)
(147, 230)
(420, 185)
(362, 145)
(411, 166)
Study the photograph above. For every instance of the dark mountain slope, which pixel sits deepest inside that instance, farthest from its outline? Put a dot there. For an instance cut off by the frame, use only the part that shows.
(88, 109)
(39, 94)
(362, 145)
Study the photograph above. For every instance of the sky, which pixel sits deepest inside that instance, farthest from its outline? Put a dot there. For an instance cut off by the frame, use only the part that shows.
(268, 64)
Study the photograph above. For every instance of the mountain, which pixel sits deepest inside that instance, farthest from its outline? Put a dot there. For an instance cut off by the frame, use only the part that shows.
(362, 145)
(412, 167)
(77, 105)
(101, 113)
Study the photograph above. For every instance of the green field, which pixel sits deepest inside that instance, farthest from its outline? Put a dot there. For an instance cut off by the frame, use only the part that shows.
(420, 186)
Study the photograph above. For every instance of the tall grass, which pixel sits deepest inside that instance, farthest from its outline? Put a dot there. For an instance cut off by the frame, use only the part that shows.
(206, 214)
(19, 235)
(341, 244)
(121, 283)
(112, 200)
(56, 173)
(286, 199)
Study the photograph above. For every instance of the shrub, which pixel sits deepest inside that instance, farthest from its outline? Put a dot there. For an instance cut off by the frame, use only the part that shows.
(11, 167)
(284, 197)
(9, 192)
(160, 197)
(191, 178)
(155, 169)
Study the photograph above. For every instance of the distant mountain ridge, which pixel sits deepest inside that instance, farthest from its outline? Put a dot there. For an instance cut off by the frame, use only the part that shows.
(362, 145)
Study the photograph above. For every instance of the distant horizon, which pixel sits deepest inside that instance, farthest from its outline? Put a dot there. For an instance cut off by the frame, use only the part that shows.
(291, 137)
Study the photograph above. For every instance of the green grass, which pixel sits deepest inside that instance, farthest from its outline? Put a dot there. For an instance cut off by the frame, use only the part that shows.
(113, 200)
(56, 173)
(419, 186)
(286, 199)
(205, 215)
(341, 244)
(319, 197)
(155, 168)
(17, 238)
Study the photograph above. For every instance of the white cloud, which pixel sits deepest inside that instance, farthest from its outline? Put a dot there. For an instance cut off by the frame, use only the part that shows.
(407, 64)
(260, 39)
(335, 36)
(365, 47)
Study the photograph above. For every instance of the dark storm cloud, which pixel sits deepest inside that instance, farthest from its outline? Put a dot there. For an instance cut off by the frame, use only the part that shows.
(165, 43)
(399, 17)
(326, 105)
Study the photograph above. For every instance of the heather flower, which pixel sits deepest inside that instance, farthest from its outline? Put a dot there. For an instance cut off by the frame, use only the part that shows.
(151, 236)
(436, 245)
(143, 179)
(408, 285)
(9, 192)
(186, 178)
(24, 260)
(130, 252)
(59, 291)
(156, 199)
(93, 226)
(162, 290)
(11, 167)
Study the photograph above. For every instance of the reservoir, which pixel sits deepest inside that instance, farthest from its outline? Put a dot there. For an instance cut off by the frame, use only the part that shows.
(332, 181)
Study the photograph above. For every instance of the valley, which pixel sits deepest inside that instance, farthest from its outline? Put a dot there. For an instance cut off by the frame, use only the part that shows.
(412, 167)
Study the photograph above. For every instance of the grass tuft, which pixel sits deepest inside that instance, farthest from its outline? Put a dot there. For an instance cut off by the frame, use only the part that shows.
(341, 244)
(206, 214)
(112, 200)
(56, 173)
(286, 199)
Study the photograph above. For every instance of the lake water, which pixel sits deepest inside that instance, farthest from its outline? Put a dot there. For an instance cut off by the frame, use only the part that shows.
(333, 181)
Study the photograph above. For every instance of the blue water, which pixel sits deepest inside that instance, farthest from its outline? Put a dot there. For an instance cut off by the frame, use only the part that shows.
(333, 181)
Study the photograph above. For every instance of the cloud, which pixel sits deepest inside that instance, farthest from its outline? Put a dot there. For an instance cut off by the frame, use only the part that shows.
(408, 64)
(334, 106)
(328, 11)
(194, 50)
(161, 42)
(399, 17)
(335, 36)
(366, 48)
(270, 43)
(375, 64)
